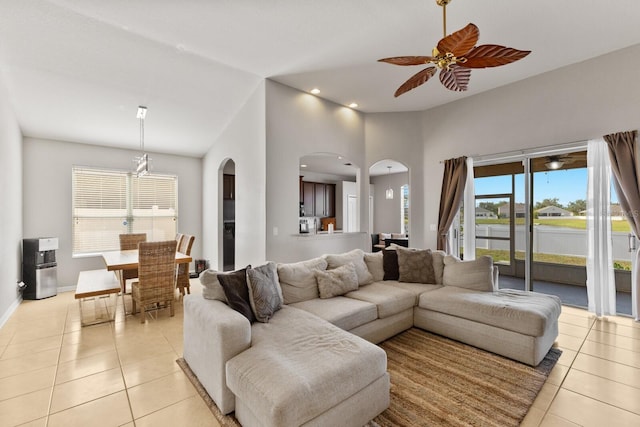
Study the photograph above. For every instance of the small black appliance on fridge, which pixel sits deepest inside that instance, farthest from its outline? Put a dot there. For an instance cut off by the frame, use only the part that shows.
(39, 267)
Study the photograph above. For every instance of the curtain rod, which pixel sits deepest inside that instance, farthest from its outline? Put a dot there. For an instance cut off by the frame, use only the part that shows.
(529, 152)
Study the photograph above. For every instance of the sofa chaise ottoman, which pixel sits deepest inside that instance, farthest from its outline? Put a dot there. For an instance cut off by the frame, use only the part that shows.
(301, 372)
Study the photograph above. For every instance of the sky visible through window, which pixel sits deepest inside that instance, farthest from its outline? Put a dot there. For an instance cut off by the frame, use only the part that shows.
(566, 185)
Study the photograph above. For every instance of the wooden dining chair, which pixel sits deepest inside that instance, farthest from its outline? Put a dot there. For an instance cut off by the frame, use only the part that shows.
(156, 278)
(182, 279)
(130, 241)
(179, 237)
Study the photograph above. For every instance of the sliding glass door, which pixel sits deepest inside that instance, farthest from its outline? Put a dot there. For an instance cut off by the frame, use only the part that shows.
(530, 217)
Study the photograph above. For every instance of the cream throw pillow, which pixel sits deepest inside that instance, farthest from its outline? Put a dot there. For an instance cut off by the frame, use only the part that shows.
(338, 281)
(356, 257)
(212, 289)
(375, 265)
(476, 275)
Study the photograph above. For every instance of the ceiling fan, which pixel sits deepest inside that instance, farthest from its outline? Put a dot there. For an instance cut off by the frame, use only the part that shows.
(455, 56)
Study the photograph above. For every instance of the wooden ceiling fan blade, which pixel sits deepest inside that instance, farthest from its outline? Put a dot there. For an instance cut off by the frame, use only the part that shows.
(416, 80)
(460, 42)
(407, 60)
(455, 78)
(492, 55)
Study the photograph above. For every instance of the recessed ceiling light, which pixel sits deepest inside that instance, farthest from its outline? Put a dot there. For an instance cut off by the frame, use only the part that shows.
(339, 157)
(353, 105)
(303, 166)
(315, 91)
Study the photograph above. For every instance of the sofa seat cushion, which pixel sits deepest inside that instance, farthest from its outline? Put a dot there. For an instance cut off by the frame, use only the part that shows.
(299, 367)
(345, 313)
(389, 300)
(528, 313)
(416, 289)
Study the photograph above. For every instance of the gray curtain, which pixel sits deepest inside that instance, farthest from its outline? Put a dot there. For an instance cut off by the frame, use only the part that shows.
(453, 182)
(622, 152)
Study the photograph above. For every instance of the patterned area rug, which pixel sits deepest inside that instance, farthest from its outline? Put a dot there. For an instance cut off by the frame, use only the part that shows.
(439, 382)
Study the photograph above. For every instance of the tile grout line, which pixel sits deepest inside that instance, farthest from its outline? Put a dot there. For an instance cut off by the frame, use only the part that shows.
(55, 376)
(115, 342)
(592, 328)
(589, 329)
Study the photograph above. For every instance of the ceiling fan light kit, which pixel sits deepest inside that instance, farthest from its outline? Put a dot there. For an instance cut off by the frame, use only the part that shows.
(455, 55)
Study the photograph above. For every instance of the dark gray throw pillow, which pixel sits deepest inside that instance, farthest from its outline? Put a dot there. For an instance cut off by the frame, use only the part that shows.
(390, 264)
(265, 295)
(235, 289)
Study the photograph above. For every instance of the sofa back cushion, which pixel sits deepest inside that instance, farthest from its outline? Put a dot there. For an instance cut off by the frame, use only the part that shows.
(475, 275)
(339, 281)
(355, 257)
(375, 265)
(415, 266)
(438, 265)
(298, 281)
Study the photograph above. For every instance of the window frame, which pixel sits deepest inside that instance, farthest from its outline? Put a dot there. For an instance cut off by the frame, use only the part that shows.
(131, 208)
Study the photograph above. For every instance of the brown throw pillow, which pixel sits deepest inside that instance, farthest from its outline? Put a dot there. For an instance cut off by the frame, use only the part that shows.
(235, 289)
(390, 264)
(415, 266)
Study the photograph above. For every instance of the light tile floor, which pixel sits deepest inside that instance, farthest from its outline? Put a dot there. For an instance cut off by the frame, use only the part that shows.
(53, 372)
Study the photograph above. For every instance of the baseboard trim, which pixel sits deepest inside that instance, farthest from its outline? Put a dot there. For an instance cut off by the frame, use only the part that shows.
(66, 289)
(7, 314)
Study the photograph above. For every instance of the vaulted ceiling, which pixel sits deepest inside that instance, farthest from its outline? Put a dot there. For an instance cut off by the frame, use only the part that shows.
(76, 70)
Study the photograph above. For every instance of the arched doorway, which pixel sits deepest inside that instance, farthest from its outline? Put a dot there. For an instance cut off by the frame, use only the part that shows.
(389, 198)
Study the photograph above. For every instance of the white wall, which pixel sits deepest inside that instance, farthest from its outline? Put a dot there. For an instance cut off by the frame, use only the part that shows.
(47, 194)
(11, 210)
(387, 216)
(398, 136)
(575, 103)
(299, 124)
(243, 141)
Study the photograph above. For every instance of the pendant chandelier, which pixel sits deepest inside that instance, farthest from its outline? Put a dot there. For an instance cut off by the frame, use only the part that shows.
(142, 162)
(389, 192)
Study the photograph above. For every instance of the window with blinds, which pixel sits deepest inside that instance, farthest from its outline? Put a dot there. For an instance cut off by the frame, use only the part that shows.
(109, 203)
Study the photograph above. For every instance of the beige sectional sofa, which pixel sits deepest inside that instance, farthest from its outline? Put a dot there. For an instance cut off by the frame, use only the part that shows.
(315, 362)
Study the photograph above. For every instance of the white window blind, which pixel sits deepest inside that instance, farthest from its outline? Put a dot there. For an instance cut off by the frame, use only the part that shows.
(109, 203)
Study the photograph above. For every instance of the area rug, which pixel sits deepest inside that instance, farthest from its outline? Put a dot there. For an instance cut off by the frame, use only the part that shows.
(436, 381)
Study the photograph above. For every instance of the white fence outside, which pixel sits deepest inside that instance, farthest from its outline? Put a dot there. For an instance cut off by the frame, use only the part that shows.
(549, 240)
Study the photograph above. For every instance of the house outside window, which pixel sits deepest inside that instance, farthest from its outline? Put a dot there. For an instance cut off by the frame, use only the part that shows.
(107, 203)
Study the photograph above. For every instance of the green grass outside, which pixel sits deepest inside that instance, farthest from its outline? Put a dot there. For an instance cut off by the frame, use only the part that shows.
(503, 256)
(576, 223)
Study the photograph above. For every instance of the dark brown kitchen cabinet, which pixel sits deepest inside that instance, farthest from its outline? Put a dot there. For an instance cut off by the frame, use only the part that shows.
(308, 198)
(318, 199)
(321, 200)
(330, 199)
(228, 187)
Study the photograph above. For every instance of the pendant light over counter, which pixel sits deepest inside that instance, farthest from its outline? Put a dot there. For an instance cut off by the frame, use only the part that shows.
(389, 192)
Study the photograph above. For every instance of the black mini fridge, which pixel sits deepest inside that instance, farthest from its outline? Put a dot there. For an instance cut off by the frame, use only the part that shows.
(39, 267)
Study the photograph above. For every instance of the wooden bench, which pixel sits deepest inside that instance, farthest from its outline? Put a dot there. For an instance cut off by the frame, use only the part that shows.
(96, 284)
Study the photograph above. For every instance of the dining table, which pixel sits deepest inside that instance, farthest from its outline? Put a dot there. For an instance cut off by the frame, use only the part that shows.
(128, 260)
